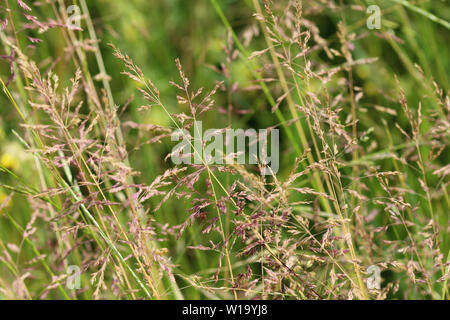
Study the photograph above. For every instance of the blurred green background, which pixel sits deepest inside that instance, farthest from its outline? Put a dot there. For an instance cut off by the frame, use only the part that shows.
(155, 32)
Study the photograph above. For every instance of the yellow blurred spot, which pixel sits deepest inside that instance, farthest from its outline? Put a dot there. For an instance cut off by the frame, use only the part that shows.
(157, 116)
(363, 71)
(370, 88)
(3, 197)
(9, 162)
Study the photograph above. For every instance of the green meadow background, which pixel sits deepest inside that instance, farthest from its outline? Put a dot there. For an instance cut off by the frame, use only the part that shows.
(156, 32)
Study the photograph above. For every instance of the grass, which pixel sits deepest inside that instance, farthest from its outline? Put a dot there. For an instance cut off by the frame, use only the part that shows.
(86, 178)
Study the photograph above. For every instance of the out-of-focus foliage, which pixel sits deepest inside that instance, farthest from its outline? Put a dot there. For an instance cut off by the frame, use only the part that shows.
(372, 105)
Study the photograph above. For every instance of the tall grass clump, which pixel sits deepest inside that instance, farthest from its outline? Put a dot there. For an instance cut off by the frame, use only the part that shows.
(86, 177)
